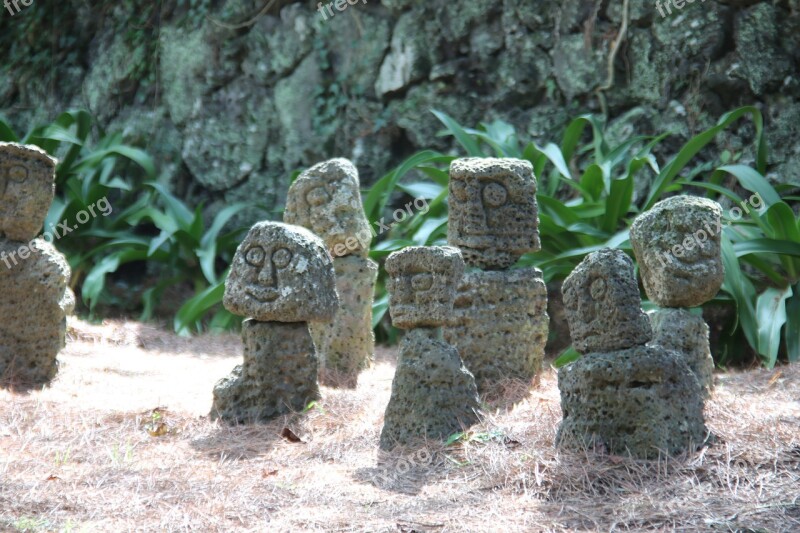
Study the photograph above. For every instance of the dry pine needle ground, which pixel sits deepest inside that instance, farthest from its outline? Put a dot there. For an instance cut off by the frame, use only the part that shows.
(120, 442)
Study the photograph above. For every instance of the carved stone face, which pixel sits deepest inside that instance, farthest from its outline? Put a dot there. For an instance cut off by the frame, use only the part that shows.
(493, 211)
(327, 200)
(678, 246)
(422, 285)
(281, 273)
(603, 305)
(27, 176)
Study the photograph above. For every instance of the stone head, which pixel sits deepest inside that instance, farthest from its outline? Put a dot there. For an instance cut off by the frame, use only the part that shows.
(603, 305)
(679, 249)
(281, 273)
(27, 186)
(422, 285)
(494, 217)
(327, 200)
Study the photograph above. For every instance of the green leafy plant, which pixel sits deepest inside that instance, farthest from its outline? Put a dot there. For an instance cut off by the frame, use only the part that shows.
(148, 229)
(588, 198)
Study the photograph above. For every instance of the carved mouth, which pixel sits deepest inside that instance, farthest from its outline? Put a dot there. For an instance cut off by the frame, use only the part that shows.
(262, 294)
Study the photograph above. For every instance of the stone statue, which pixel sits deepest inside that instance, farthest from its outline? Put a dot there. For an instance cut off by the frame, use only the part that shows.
(34, 276)
(678, 247)
(623, 395)
(327, 200)
(494, 218)
(433, 394)
(501, 321)
(602, 304)
(281, 278)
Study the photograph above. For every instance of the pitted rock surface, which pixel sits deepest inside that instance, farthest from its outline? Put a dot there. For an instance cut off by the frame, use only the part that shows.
(433, 394)
(681, 331)
(346, 345)
(326, 199)
(281, 273)
(502, 325)
(27, 187)
(603, 305)
(494, 218)
(278, 375)
(422, 285)
(643, 400)
(677, 245)
(35, 302)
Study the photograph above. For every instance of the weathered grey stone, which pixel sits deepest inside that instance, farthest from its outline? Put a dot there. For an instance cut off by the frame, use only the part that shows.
(346, 345)
(433, 394)
(422, 285)
(34, 305)
(642, 401)
(281, 273)
(687, 334)
(502, 325)
(278, 375)
(493, 216)
(602, 304)
(678, 248)
(327, 200)
(27, 186)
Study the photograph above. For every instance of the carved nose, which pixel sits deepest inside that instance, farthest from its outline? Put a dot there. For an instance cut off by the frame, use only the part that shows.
(266, 276)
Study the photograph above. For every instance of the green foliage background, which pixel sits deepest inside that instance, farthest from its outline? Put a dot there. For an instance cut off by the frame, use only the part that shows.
(587, 200)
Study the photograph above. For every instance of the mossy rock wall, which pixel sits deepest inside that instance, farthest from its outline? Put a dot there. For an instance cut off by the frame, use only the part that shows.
(231, 100)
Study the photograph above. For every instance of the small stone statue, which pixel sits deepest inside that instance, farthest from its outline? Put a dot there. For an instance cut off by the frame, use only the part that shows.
(326, 199)
(281, 278)
(34, 276)
(501, 321)
(678, 247)
(493, 218)
(623, 394)
(433, 394)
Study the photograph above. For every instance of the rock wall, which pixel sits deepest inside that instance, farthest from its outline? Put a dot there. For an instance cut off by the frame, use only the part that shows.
(231, 98)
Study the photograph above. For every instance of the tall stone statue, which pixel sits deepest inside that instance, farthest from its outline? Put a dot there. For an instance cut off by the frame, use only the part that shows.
(433, 394)
(34, 277)
(281, 279)
(501, 315)
(622, 394)
(678, 246)
(326, 199)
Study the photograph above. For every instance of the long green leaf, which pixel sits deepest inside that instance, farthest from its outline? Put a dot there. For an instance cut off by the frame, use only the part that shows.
(469, 144)
(697, 143)
(792, 334)
(771, 315)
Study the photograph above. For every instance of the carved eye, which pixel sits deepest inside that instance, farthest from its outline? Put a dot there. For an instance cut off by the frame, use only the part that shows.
(459, 190)
(494, 195)
(598, 289)
(422, 282)
(281, 257)
(18, 173)
(255, 256)
(318, 196)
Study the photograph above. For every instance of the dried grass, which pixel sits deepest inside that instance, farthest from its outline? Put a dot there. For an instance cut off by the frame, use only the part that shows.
(80, 456)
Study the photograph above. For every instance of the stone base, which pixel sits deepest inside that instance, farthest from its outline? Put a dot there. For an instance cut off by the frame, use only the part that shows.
(687, 334)
(278, 376)
(34, 305)
(643, 401)
(433, 394)
(346, 345)
(502, 325)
